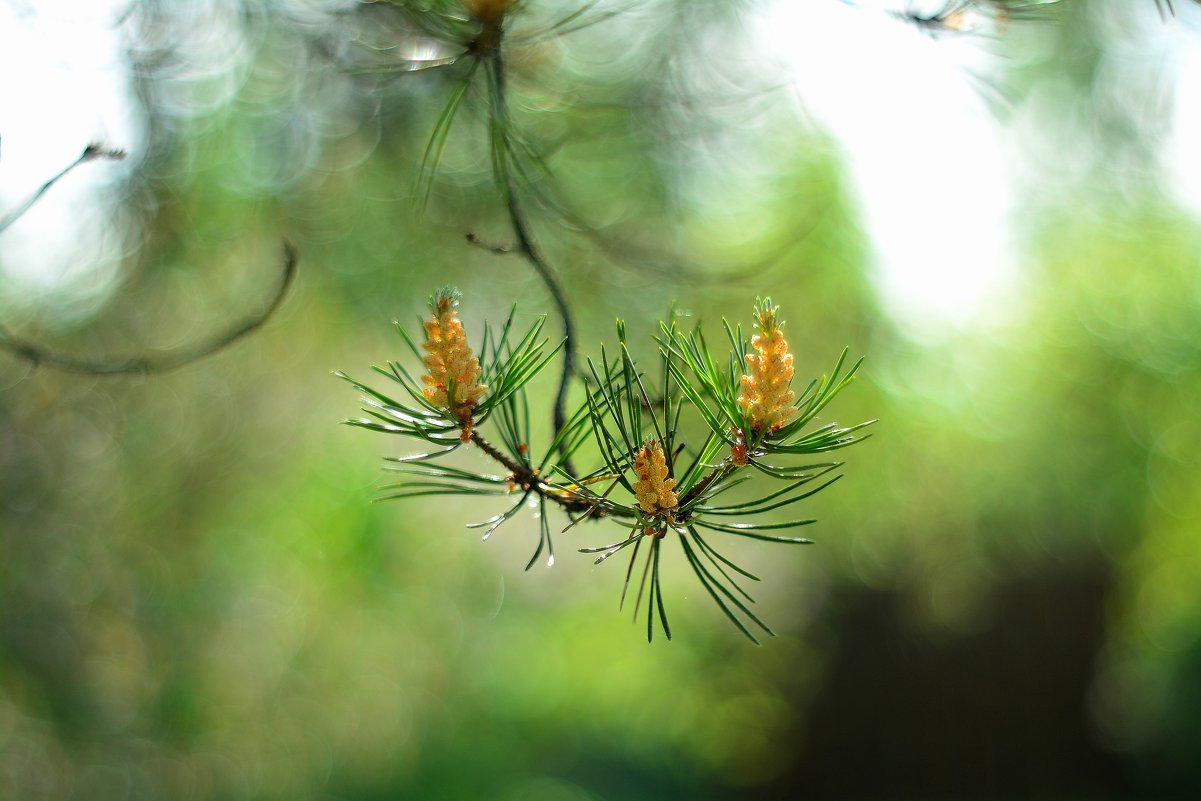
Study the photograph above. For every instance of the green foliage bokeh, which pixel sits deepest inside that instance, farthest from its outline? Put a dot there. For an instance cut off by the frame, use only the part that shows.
(198, 598)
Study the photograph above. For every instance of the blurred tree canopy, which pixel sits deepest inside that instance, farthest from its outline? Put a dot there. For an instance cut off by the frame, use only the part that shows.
(198, 598)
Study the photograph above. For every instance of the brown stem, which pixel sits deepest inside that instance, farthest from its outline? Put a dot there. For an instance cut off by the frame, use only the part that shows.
(697, 489)
(527, 478)
(520, 472)
(526, 244)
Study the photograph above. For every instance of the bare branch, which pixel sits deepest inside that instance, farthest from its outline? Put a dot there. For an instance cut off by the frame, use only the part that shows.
(496, 250)
(90, 153)
(39, 355)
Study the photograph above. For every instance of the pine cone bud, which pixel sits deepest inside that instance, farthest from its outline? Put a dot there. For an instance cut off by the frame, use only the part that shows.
(653, 487)
(765, 396)
(450, 363)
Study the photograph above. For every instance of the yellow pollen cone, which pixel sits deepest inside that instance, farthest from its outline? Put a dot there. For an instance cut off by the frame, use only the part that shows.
(765, 395)
(653, 488)
(450, 361)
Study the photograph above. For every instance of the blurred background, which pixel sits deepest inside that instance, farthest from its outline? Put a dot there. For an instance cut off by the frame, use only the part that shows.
(997, 204)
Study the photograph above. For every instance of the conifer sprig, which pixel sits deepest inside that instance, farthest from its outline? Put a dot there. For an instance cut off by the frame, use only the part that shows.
(647, 474)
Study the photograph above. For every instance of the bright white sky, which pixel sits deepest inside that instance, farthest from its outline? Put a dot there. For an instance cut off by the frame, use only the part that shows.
(925, 152)
(65, 84)
(1184, 145)
(930, 160)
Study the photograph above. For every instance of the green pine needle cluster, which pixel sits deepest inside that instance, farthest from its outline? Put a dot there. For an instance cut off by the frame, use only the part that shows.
(687, 412)
(666, 448)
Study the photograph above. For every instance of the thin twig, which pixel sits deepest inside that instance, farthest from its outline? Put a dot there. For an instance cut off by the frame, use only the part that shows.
(39, 355)
(90, 153)
(528, 479)
(496, 250)
(521, 473)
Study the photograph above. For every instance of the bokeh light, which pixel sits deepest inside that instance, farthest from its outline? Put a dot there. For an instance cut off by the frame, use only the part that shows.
(200, 600)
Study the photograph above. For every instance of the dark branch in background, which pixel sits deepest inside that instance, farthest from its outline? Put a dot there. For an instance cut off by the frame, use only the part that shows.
(527, 246)
(951, 18)
(39, 355)
(965, 17)
(1166, 9)
(495, 250)
(90, 153)
(529, 249)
